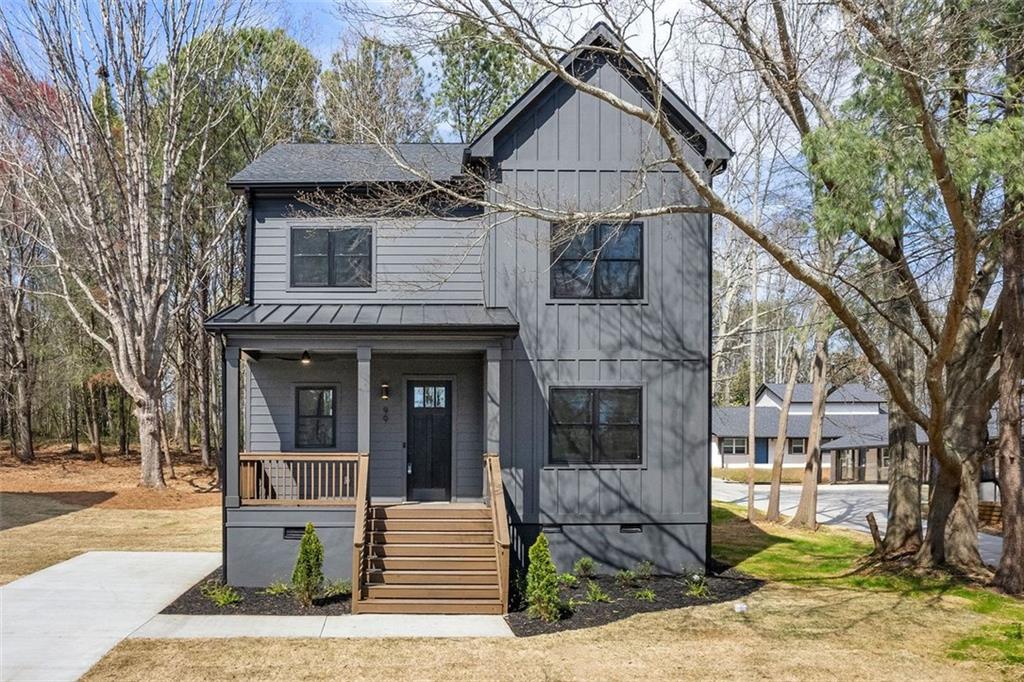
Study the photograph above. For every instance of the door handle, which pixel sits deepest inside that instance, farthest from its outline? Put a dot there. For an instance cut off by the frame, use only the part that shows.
(408, 469)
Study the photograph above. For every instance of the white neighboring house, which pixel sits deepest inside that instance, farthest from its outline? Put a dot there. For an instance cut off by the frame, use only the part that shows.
(852, 412)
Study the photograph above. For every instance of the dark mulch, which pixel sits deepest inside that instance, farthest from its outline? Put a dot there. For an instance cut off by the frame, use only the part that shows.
(670, 593)
(255, 602)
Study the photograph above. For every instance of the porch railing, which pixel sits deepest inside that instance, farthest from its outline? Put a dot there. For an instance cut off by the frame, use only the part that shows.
(298, 478)
(499, 521)
(360, 530)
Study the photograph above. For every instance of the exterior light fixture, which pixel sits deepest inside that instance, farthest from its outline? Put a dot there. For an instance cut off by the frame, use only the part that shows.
(305, 359)
(385, 390)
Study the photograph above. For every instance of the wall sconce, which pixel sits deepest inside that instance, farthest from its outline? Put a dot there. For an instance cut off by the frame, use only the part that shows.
(305, 359)
(385, 390)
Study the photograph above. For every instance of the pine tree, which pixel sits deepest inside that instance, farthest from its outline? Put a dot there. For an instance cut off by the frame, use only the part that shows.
(542, 597)
(308, 576)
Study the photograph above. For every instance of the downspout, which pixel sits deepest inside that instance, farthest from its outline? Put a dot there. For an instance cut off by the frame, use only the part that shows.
(223, 464)
(708, 255)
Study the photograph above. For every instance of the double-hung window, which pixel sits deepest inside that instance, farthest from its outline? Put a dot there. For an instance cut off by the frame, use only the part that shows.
(733, 446)
(595, 425)
(314, 417)
(798, 446)
(331, 257)
(602, 261)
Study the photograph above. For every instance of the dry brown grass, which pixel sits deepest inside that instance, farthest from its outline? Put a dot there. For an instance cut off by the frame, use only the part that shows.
(789, 633)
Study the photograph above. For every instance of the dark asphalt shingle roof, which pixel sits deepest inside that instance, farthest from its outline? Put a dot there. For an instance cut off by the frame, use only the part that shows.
(849, 430)
(847, 393)
(363, 317)
(314, 164)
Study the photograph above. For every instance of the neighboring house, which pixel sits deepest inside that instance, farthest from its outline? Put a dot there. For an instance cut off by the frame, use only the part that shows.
(374, 362)
(854, 432)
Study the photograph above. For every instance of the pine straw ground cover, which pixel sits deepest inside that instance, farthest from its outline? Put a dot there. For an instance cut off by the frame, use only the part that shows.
(817, 618)
(63, 505)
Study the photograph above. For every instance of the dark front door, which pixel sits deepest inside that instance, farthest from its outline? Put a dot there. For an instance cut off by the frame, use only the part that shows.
(429, 407)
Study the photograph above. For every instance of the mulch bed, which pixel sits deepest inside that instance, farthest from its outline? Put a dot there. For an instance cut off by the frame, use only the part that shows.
(255, 602)
(670, 593)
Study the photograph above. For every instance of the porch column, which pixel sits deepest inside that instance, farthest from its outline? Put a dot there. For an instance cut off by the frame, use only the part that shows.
(492, 401)
(363, 403)
(232, 360)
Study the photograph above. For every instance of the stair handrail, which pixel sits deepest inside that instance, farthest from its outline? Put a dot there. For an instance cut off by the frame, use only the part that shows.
(360, 528)
(499, 521)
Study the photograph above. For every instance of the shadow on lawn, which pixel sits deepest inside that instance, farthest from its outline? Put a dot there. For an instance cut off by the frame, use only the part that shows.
(21, 509)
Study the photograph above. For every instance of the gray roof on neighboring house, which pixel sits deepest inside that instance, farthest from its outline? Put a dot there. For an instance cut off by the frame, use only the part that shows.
(856, 430)
(364, 317)
(847, 393)
(288, 165)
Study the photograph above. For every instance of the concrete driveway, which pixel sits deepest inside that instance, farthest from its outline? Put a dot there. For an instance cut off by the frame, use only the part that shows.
(58, 622)
(844, 505)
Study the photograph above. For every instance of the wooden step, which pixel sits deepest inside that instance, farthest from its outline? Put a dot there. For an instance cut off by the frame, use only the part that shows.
(433, 550)
(478, 525)
(454, 606)
(431, 563)
(433, 591)
(416, 511)
(423, 537)
(432, 577)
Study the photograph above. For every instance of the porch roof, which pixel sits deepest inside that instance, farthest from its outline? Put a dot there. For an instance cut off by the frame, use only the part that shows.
(356, 317)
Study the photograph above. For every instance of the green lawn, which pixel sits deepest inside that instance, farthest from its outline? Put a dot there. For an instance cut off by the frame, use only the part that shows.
(835, 558)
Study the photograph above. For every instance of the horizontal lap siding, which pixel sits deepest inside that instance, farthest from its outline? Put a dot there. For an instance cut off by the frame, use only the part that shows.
(572, 151)
(416, 261)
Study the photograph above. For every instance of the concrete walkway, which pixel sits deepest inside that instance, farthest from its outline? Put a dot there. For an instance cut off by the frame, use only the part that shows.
(172, 626)
(844, 505)
(58, 622)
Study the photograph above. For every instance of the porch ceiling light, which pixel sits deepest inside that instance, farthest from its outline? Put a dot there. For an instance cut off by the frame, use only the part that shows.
(305, 359)
(385, 390)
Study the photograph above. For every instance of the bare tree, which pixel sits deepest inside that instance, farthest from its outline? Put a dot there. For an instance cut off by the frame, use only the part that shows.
(779, 455)
(113, 149)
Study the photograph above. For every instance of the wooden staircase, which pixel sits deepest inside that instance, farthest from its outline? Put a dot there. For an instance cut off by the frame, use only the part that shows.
(432, 558)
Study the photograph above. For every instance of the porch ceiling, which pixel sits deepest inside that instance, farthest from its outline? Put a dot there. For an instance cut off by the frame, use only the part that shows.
(377, 318)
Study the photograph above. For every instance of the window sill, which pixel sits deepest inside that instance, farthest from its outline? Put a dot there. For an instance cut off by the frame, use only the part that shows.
(595, 467)
(598, 301)
(331, 290)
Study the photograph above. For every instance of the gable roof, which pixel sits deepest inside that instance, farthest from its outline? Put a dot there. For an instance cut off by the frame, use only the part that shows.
(601, 35)
(304, 164)
(847, 393)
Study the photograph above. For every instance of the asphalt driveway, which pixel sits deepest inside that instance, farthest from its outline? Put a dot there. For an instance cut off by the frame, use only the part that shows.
(58, 622)
(844, 505)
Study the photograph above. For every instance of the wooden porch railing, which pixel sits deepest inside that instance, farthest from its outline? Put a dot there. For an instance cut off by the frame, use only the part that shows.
(499, 520)
(298, 478)
(360, 530)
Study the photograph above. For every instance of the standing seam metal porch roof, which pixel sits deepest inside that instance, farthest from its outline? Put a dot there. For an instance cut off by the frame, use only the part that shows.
(364, 317)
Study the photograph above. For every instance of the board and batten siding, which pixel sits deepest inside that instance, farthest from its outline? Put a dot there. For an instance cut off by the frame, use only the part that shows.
(270, 422)
(571, 150)
(415, 261)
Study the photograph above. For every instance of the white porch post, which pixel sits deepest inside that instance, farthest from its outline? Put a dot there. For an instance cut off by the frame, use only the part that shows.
(363, 404)
(492, 406)
(231, 406)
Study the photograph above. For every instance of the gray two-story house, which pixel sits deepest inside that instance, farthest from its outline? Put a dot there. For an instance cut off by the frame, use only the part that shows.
(432, 391)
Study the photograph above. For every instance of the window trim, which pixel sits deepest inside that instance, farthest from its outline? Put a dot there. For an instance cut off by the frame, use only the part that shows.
(639, 464)
(328, 288)
(803, 450)
(333, 388)
(595, 299)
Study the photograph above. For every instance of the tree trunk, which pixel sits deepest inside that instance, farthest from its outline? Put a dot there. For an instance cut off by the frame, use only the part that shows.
(752, 390)
(780, 437)
(122, 413)
(204, 380)
(73, 414)
(23, 409)
(807, 512)
(147, 413)
(1010, 575)
(165, 445)
(93, 417)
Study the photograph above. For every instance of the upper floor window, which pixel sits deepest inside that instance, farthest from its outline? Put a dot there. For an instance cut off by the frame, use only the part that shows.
(733, 446)
(314, 417)
(798, 446)
(331, 257)
(604, 261)
(595, 425)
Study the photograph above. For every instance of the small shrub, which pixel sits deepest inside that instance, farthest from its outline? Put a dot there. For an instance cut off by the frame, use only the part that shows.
(584, 567)
(596, 594)
(336, 588)
(626, 578)
(644, 570)
(697, 586)
(646, 594)
(542, 597)
(278, 587)
(220, 594)
(308, 576)
(575, 603)
(517, 590)
(568, 581)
